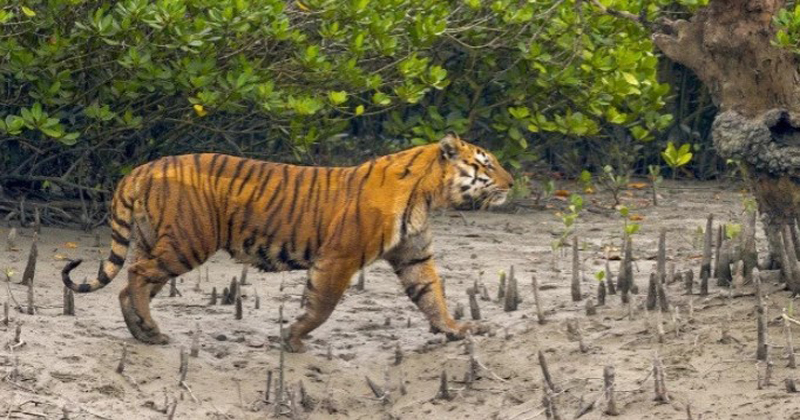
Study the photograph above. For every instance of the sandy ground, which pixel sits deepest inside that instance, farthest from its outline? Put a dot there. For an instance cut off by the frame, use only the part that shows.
(69, 362)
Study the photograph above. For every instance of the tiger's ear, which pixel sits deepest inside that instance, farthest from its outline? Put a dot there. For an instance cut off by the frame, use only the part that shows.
(450, 144)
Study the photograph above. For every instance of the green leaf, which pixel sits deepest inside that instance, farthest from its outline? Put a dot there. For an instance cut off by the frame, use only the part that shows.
(52, 132)
(337, 98)
(684, 159)
(520, 112)
(69, 139)
(630, 78)
(28, 12)
(639, 133)
(381, 98)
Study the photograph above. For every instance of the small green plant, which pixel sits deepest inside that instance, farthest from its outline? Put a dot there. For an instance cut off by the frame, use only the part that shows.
(733, 230)
(654, 173)
(600, 275)
(614, 182)
(750, 205)
(9, 272)
(548, 188)
(568, 219)
(676, 158)
(521, 188)
(585, 179)
(627, 227)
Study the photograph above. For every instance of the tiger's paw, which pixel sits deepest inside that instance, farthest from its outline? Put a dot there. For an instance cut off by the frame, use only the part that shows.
(155, 339)
(294, 345)
(460, 330)
(291, 343)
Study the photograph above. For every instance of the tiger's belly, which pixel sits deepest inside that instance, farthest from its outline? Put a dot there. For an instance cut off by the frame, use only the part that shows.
(273, 255)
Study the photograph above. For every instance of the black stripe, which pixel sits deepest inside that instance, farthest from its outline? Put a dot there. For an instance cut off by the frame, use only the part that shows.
(163, 267)
(147, 190)
(406, 170)
(358, 196)
(229, 236)
(317, 215)
(265, 181)
(351, 173)
(195, 222)
(195, 171)
(116, 259)
(369, 172)
(307, 253)
(183, 260)
(246, 179)
(416, 293)
(221, 169)
(85, 288)
(411, 263)
(238, 169)
(120, 222)
(165, 187)
(407, 210)
(383, 174)
(102, 277)
(248, 244)
(117, 237)
(328, 172)
(213, 163)
(311, 188)
(320, 240)
(127, 204)
(285, 258)
(295, 192)
(217, 169)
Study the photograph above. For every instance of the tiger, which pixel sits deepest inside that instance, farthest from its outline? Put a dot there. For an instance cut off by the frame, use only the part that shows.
(332, 221)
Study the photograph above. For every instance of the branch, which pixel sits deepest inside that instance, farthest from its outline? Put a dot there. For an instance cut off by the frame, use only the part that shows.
(640, 19)
(54, 180)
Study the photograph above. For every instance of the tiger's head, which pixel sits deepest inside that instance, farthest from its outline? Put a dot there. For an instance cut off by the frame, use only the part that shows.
(474, 174)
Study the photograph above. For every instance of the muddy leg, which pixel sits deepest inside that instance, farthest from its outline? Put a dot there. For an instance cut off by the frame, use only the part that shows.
(145, 279)
(424, 287)
(155, 288)
(327, 282)
(413, 263)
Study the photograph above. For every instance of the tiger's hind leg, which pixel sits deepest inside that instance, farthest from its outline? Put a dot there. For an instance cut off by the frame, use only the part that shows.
(145, 279)
(327, 281)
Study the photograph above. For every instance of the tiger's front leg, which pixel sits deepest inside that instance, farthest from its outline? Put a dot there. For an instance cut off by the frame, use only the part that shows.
(413, 263)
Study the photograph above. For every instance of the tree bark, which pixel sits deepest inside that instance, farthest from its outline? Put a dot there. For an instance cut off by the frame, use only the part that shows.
(728, 44)
(756, 86)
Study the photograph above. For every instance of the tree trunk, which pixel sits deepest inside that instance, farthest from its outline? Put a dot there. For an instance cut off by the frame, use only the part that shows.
(755, 85)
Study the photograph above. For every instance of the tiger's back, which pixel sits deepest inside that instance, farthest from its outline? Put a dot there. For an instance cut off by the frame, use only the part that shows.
(275, 216)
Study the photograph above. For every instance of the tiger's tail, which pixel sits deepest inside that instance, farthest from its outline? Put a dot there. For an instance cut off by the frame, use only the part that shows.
(121, 217)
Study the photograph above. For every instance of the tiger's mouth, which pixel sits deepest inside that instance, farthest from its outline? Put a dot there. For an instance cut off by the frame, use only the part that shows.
(499, 197)
(494, 198)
